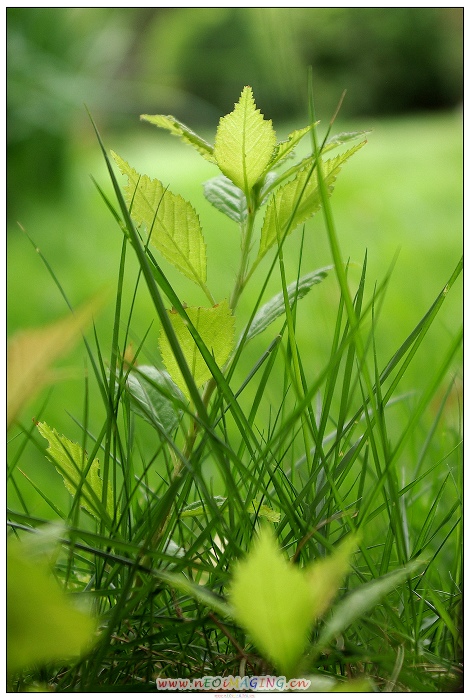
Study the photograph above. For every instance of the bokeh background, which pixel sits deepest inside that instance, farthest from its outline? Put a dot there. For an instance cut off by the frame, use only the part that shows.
(400, 197)
(193, 62)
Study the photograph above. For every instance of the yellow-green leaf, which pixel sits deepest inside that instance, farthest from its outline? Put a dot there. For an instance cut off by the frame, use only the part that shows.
(285, 148)
(215, 325)
(264, 511)
(43, 625)
(171, 221)
(200, 508)
(326, 575)
(71, 462)
(272, 601)
(245, 143)
(32, 352)
(177, 128)
(301, 196)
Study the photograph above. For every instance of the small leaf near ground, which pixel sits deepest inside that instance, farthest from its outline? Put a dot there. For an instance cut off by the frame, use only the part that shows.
(326, 575)
(272, 601)
(245, 143)
(360, 600)
(43, 624)
(154, 397)
(216, 328)
(275, 307)
(70, 461)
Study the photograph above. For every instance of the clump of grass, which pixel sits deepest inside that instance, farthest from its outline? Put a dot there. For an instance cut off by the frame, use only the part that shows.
(195, 454)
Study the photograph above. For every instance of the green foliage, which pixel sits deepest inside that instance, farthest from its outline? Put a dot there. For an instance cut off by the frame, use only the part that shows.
(275, 307)
(215, 327)
(170, 222)
(177, 128)
(43, 624)
(297, 201)
(81, 478)
(244, 144)
(315, 446)
(278, 623)
(154, 397)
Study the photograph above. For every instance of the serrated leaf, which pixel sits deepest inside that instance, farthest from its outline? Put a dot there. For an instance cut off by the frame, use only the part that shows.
(272, 601)
(360, 601)
(226, 197)
(215, 326)
(172, 221)
(70, 461)
(31, 353)
(326, 575)
(151, 391)
(275, 307)
(43, 624)
(285, 148)
(340, 139)
(177, 128)
(245, 143)
(304, 187)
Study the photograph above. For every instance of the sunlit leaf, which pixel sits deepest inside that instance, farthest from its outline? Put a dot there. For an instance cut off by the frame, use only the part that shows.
(71, 462)
(326, 575)
(275, 307)
(294, 203)
(226, 197)
(43, 624)
(245, 143)
(215, 326)
(154, 396)
(177, 128)
(272, 601)
(171, 220)
(31, 353)
(285, 148)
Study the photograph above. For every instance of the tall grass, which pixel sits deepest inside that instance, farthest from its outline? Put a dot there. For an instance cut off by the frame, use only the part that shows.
(320, 451)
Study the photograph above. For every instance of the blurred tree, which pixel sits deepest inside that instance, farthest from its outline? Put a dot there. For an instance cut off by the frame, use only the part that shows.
(193, 62)
(59, 59)
(390, 60)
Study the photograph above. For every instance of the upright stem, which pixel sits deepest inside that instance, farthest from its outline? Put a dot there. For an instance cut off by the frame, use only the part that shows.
(240, 282)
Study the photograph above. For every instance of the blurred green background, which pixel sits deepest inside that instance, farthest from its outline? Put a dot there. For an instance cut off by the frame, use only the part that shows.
(401, 67)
